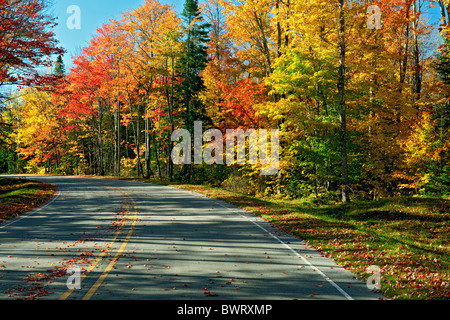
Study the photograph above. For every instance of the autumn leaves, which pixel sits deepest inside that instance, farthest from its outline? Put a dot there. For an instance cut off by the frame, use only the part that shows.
(27, 43)
(259, 147)
(361, 110)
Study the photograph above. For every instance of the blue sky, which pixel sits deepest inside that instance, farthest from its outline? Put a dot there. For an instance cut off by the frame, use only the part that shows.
(94, 13)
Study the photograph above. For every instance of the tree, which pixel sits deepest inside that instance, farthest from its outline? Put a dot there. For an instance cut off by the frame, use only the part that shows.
(444, 6)
(60, 68)
(342, 104)
(156, 29)
(443, 62)
(9, 119)
(27, 42)
(40, 137)
(426, 165)
(344, 87)
(307, 72)
(222, 68)
(239, 104)
(360, 111)
(442, 67)
(192, 63)
(87, 92)
(252, 34)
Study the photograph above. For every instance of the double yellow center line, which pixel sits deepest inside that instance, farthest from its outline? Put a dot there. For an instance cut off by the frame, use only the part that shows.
(99, 258)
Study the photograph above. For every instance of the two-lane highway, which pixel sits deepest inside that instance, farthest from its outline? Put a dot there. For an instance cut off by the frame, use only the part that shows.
(134, 240)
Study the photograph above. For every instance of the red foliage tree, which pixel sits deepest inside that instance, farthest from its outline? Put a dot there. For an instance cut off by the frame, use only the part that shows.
(27, 42)
(239, 101)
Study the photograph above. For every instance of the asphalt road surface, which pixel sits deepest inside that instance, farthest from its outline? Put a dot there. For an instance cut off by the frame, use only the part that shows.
(130, 240)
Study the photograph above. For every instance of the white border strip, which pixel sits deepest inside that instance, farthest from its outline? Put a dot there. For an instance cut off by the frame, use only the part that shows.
(23, 216)
(345, 294)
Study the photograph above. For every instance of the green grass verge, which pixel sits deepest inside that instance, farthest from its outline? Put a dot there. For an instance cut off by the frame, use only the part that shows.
(18, 196)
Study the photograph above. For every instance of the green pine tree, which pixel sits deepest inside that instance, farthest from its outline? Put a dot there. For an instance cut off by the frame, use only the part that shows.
(443, 62)
(443, 69)
(60, 69)
(193, 63)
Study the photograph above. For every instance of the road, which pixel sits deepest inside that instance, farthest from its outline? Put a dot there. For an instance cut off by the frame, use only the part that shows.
(137, 241)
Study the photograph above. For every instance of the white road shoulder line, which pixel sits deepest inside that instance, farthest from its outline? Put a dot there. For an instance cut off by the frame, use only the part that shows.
(31, 212)
(345, 294)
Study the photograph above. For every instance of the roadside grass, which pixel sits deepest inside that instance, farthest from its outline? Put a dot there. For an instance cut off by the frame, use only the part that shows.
(18, 196)
(407, 238)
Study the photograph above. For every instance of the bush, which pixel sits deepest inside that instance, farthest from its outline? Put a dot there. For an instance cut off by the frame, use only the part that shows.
(236, 183)
(128, 167)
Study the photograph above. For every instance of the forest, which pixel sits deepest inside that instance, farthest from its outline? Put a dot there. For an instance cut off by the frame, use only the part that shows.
(359, 91)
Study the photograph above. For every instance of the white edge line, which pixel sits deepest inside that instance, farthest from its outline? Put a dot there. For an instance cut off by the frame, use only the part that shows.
(23, 216)
(345, 294)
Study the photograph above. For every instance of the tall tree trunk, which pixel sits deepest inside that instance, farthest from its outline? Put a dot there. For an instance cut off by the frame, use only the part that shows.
(417, 70)
(100, 141)
(117, 140)
(172, 125)
(158, 164)
(342, 106)
(138, 142)
(117, 130)
(136, 135)
(279, 40)
(148, 171)
(404, 60)
(148, 127)
(264, 44)
(445, 12)
(189, 123)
